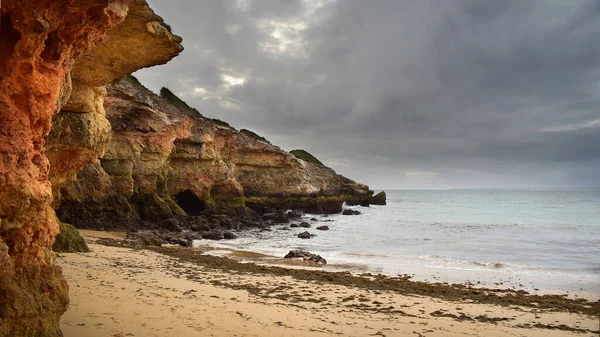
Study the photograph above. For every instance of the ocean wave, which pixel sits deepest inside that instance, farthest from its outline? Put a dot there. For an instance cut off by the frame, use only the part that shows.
(494, 265)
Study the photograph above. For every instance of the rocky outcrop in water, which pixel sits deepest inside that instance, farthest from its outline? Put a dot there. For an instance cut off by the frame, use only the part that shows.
(378, 199)
(49, 62)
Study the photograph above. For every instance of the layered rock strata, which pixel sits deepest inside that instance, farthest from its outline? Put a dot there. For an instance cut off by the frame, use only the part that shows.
(44, 49)
(166, 160)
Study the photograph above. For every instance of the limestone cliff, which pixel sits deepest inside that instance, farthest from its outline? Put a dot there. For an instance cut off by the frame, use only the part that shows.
(164, 158)
(49, 51)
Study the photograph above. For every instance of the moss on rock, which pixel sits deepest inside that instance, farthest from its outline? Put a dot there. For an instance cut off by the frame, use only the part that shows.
(69, 240)
(254, 135)
(307, 157)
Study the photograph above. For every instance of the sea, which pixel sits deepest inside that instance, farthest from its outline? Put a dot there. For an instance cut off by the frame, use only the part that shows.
(535, 240)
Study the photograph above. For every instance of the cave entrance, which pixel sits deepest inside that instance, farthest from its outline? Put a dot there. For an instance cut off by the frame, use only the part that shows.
(190, 203)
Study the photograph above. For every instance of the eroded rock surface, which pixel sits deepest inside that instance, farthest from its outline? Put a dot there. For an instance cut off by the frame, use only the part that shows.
(39, 44)
(165, 159)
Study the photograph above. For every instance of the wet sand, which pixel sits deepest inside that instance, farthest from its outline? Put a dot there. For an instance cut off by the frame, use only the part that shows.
(170, 291)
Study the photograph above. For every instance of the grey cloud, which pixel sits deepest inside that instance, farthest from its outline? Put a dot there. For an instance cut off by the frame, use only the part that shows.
(464, 88)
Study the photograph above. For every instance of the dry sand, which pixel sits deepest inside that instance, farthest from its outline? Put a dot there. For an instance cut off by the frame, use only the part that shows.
(118, 292)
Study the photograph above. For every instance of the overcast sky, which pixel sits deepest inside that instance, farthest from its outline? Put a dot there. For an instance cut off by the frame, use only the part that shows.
(402, 94)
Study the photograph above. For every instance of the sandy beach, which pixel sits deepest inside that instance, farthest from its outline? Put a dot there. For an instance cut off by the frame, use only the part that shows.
(124, 291)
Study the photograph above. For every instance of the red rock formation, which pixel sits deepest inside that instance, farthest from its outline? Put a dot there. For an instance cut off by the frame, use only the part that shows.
(39, 41)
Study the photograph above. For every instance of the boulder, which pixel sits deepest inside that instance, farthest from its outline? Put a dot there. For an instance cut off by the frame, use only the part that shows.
(323, 228)
(276, 217)
(350, 212)
(69, 240)
(229, 236)
(146, 238)
(212, 235)
(293, 214)
(304, 224)
(306, 256)
(378, 199)
(305, 235)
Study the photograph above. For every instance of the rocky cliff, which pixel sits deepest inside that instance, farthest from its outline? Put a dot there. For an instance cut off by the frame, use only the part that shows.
(165, 159)
(116, 155)
(56, 56)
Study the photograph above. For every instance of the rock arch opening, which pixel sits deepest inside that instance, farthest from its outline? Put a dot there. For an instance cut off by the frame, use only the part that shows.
(190, 203)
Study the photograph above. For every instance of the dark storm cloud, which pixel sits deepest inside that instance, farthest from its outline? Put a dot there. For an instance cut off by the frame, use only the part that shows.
(402, 93)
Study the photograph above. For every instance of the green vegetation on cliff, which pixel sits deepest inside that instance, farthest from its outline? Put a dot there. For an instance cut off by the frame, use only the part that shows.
(69, 240)
(254, 135)
(307, 157)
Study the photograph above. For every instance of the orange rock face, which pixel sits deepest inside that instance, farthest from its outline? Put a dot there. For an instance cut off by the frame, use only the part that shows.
(39, 43)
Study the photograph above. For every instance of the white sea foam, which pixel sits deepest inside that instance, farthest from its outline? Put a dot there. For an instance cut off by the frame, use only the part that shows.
(528, 239)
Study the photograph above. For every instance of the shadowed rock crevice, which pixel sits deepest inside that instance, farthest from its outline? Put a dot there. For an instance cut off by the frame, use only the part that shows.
(53, 47)
(190, 203)
(8, 38)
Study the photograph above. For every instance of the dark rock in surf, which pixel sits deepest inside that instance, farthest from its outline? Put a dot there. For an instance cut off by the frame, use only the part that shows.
(305, 235)
(378, 199)
(350, 212)
(304, 224)
(323, 228)
(306, 256)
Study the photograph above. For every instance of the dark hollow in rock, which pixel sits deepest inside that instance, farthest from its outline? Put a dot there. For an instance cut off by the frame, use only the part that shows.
(190, 203)
(323, 228)
(306, 256)
(350, 212)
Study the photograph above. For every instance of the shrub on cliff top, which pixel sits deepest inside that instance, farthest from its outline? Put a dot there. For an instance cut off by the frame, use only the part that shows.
(167, 26)
(69, 240)
(221, 123)
(133, 79)
(307, 157)
(254, 135)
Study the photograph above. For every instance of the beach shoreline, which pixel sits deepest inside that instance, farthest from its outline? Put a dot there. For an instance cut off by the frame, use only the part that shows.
(128, 291)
